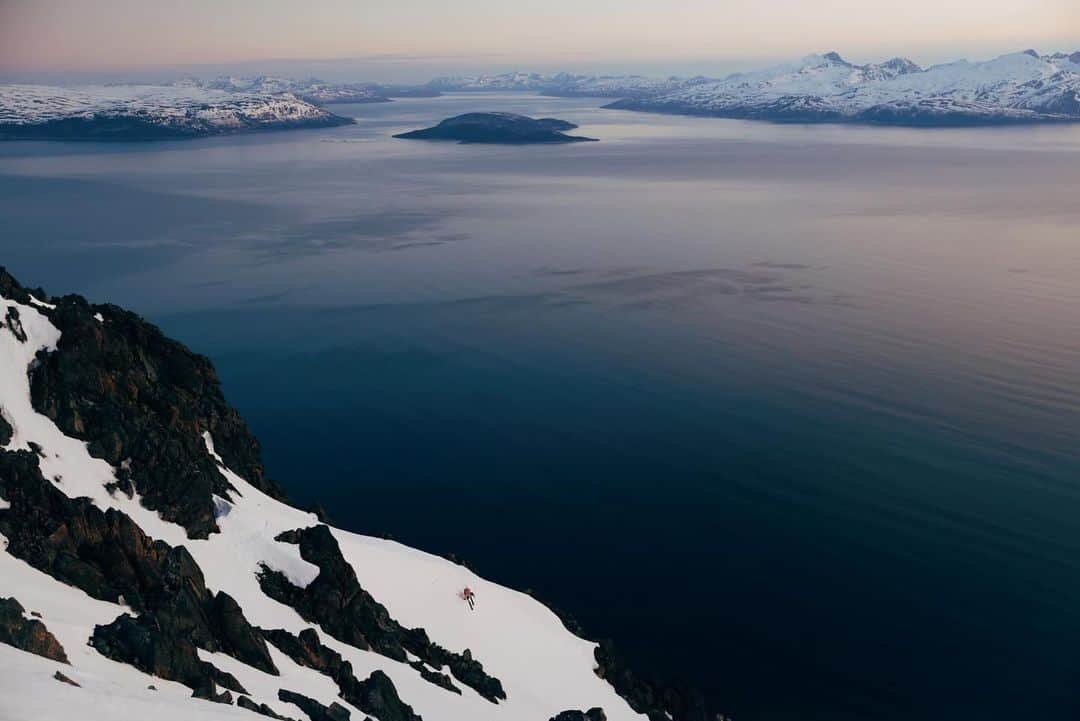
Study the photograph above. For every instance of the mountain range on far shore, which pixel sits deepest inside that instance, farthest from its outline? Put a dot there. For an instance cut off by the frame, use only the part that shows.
(1017, 88)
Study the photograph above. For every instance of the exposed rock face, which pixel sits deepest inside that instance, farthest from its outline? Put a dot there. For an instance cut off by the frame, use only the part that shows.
(593, 714)
(110, 558)
(5, 429)
(376, 695)
(14, 324)
(660, 702)
(260, 708)
(315, 710)
(10, 288)
(337, 602)
(143, 401)
(27, 634)
(64, 679)
(144, 644)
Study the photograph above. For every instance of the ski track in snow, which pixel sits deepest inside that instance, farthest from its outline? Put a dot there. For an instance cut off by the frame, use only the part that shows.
(543, 667)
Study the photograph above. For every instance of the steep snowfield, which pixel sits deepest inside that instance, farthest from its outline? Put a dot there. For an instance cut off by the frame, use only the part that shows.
(182, 107)
(1015, 87)
(543, 667)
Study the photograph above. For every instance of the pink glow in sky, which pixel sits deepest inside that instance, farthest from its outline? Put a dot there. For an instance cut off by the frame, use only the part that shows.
(65, 35)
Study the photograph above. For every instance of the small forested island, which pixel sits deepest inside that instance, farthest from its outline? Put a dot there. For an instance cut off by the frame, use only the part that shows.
(508, 128)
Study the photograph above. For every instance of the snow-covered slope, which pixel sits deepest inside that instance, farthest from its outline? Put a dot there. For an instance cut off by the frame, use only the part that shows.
(311, 90)
(1020, 87)
(148, 111)
(543, 668)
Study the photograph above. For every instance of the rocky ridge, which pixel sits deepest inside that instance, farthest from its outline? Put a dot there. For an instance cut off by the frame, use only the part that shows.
(136, 515)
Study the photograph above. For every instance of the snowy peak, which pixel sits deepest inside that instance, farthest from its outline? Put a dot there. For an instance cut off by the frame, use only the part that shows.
(144, 112)
(1014, 88)
(833, 57)
(890, 69)
(311, 90)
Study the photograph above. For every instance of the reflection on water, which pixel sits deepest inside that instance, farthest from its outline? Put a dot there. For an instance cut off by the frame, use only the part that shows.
(790, 411)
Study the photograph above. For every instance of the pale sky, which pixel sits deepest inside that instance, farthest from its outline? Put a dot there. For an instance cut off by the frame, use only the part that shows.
(145, 35)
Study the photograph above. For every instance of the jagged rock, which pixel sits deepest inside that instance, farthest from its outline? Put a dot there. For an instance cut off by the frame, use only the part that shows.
(138, 397)
(107, 555)
(64, 679)
(10, 288)
(208, 691)
(142, 643)
(593, 714)
(338, 603)
(375, 695)
(320, 512)
(307, 650)
(315, 710)
(6, 430)
(27, 634)
(236, 636)
(439, 679)
(14, 324)
(658, 701)
(260, 708)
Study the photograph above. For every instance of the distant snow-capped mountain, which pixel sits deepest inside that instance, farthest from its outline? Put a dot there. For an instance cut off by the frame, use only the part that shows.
(311, 90)
(140, 112)
(1019, 87)
(566, 84)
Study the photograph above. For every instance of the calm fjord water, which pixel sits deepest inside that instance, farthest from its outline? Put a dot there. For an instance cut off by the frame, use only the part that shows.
(791, 412)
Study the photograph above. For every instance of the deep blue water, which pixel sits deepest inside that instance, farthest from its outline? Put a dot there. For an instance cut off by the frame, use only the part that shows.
(790, 412)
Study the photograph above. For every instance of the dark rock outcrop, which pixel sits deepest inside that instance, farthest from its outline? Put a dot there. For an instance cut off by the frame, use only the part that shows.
(141, 642)
(11, 288)
(439, 679)
(315, 710)
(108, 556)
(27, 634)
(376, 695)
(142, 401)
(338, 603)
(6, 430)
(593, 714)
(260, 708)
(658, 701)
(64, 679)
(209, 692)
(13, 323)
(505, 128)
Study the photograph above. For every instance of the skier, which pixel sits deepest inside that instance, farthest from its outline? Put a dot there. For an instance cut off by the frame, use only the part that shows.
(470, 597)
